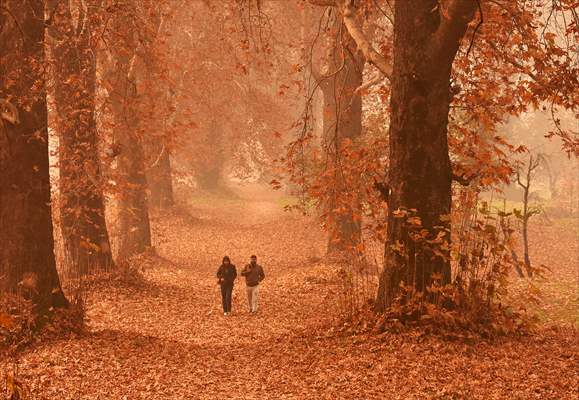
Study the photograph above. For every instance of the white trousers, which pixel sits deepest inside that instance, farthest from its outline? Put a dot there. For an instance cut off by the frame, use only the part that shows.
(252, 292)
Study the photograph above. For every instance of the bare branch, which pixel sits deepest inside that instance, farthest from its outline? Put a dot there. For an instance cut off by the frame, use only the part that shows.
(348, 11)
(158, 158)
(477, 27)
(369, 84)
(519, 180)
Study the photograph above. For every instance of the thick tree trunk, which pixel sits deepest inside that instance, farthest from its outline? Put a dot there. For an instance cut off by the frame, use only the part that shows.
(342, 122)
(426, 40)
(82, 218)
(133, 217)
(134, 229)
(27, 261)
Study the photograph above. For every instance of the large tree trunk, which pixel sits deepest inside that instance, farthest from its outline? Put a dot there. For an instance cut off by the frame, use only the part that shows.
(426, 40)
(82, 220)
(27, 247)
(133, 218)
(342, 123)
(134, 229)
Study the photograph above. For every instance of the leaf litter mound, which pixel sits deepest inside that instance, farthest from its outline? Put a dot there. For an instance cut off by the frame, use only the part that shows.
(171, 341)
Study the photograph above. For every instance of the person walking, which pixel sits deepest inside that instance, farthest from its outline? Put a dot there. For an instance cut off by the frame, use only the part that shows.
(253, 273)
(226, 275)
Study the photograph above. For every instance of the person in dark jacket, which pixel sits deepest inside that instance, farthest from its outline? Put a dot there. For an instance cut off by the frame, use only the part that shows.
(253, 273)
(226, 275)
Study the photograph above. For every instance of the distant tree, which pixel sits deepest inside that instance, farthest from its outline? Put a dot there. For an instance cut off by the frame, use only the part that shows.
(27, 262)
(528, 211)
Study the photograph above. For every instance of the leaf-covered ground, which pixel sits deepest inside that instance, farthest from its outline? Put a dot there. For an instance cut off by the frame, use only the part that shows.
(169, 340)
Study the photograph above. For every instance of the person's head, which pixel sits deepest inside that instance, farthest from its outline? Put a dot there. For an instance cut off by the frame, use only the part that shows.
(226, 260)
(253, 259)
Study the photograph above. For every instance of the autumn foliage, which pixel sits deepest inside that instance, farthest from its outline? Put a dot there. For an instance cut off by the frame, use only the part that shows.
(406, 171)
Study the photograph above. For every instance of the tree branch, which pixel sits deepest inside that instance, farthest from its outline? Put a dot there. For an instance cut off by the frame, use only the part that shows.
(348, 11)
(369, 84)
(455, 16)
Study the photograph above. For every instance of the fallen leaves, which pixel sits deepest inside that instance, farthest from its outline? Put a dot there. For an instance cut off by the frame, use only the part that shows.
(169, 340)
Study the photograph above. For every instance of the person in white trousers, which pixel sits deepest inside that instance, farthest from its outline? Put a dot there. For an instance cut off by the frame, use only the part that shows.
(253, 273)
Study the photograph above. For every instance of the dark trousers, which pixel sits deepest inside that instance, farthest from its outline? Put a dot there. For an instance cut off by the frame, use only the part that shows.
(226, 294)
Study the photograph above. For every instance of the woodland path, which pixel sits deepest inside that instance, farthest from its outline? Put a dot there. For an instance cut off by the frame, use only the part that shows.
(169, 340)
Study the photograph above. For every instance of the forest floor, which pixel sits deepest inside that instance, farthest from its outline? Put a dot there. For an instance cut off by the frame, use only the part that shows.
(168, 339)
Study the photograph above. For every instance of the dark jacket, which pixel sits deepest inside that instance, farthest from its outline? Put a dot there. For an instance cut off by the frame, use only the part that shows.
(253, 274)
(227, 274)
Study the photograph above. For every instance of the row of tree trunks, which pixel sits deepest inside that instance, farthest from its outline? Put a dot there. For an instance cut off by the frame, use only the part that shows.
(419, 175)
(27, 262)
(82, 218)
(27, 247)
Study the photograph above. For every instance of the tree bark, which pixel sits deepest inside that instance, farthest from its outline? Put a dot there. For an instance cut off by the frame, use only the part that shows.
(82, 216)
(342, 122)
(160, 180)
(133, 218)
(426, 39)
(158, 158)
(210, 168)
(158, 162)
(27, 247)
(158, 101)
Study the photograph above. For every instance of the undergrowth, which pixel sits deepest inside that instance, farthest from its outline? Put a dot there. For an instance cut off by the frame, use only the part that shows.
(21, 326)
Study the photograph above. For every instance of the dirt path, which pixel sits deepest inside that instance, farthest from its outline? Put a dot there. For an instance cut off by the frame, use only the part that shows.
(169, 340)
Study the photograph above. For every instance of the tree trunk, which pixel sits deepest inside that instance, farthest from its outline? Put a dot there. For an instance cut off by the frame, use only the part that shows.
(133, 218)
(527, 213)
(82, 220)
(209, 178)
(209, 172)
(158, 109)
(160, 181)
(27, 251)
(426, 40)
(134, 229)
(342, 123)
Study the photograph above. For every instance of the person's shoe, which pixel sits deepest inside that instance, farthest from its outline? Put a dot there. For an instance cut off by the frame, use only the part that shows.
(225, 313)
